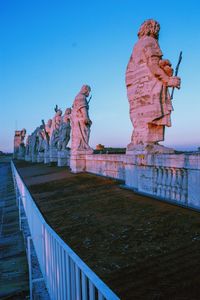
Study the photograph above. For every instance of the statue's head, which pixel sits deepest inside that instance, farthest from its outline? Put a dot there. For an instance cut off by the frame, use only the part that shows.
(85, 90)
(68, 111)
(59, 112)
(49, 122)
(149, 28)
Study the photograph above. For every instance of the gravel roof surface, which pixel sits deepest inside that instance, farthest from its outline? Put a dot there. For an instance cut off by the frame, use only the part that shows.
(141, 247)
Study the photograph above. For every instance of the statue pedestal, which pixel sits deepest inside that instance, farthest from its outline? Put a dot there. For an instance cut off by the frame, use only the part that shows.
(78, 160)
(27, 158)
(14, 155)
(64, 158)
(40, 157)
(21, 156)
(53, 155)
(34, 158)
(21, 153)
(46, 157)
(148, 149)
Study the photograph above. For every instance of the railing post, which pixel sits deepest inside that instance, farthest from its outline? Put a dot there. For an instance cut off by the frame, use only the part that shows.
(66, 275)
(44, 249)
(19, 206)
(30, 267)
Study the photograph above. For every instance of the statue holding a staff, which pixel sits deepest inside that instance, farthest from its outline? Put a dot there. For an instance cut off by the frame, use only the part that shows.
(148, 77)
(80, 121)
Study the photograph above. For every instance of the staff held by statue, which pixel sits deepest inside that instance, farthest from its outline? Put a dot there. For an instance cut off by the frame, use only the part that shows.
(176, 72)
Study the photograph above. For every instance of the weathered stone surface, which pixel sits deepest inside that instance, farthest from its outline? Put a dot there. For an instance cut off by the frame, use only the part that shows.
(28, 150)
(53, 154)
(19, 147)
(81, 122)
(40, 157)
(46, 157)
(172, 177)
(64, 130)
(47, 130)
(64, 158)
(55, 126)
(34, 144)
(111, 165)
(148, 77)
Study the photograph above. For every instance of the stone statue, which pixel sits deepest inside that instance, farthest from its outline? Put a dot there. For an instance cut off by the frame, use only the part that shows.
(41, 139)
(34, 142)
(47, 130)
(54, 132)
(19, 147)
(80, 121)
(28, 140)
(64, 130)
(148, 77)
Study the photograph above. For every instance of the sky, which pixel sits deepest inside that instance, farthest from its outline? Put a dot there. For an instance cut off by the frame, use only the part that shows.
(49, 49)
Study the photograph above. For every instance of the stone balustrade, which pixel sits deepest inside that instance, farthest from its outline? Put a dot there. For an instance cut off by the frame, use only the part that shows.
(109, 165)
(170, 177)
(170, 183)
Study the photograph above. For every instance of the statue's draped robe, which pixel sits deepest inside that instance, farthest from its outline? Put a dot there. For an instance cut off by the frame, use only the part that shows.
(54, 131)
(149, 99)
(64, 132)
(80, 130)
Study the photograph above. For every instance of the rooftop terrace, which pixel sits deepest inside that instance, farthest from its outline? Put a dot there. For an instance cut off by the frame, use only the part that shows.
(141, 247)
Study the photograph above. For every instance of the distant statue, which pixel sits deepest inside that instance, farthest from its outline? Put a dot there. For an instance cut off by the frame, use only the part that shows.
(41, 139)
(28, 140)
(19, 142)
(55, 126)
(19, 146)
(23, 134)
(46, 133)
(64, 130)
(80, 121)
(148, 77)
(34, 141)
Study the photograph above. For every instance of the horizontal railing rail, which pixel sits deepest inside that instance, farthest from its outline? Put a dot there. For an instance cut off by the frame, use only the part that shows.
(66, 276)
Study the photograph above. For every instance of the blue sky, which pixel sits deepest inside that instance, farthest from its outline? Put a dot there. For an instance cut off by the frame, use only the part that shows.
(48, 49)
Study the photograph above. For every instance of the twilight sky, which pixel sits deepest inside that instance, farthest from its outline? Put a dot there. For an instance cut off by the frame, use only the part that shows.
(49, 49)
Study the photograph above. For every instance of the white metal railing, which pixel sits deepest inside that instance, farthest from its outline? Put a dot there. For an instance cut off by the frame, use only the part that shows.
(66, 276)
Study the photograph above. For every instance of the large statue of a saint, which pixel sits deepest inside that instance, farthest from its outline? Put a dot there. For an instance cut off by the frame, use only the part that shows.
(148, 77)
(80, 121)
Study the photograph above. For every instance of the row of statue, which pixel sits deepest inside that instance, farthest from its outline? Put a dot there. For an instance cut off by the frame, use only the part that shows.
(148, 77)
(56, 133)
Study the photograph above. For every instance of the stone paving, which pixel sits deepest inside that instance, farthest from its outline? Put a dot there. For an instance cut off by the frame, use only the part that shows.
(14, 282)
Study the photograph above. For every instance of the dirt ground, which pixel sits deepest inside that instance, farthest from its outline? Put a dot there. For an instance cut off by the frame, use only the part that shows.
(141, 247)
